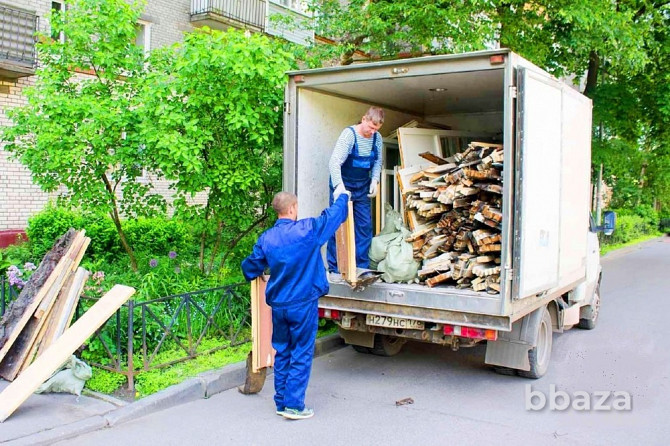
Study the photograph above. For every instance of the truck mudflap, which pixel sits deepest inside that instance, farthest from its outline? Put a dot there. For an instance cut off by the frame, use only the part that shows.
(511, 348)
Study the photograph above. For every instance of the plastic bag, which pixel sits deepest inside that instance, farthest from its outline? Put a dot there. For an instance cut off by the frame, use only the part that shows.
(70, 379)
(399, 264)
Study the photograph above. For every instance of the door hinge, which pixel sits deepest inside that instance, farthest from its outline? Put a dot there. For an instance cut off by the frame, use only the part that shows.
(287, 108)
(512, 92)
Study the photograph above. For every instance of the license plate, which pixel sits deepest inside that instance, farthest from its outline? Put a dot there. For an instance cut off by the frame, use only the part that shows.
(393, 322)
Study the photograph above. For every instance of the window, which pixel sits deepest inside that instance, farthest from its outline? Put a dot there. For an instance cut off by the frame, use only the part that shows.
(57, 9)
(143, 36)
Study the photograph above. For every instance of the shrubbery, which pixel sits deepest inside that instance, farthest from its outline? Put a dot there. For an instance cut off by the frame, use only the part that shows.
(155, 235)
(632, 224)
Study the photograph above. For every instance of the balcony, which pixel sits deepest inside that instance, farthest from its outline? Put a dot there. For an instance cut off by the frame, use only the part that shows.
(223, 14)
(18, 57)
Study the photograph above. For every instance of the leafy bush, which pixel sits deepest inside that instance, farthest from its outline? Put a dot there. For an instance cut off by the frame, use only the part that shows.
(630, 226)
(157, 235)
(45, 227)
(104, 381)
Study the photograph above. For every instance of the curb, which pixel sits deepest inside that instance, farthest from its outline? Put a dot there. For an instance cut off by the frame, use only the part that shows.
(202, 386)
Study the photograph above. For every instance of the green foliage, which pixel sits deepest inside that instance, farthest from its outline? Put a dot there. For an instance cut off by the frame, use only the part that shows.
(82, 132)
(213, 112)
(154, 380)
(104, 381)
(17, 254)
(633, 224)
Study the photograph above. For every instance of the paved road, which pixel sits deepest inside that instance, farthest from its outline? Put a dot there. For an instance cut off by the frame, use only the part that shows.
(456, 397)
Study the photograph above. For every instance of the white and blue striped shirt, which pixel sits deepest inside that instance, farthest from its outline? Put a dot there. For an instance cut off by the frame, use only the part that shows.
(344, 147)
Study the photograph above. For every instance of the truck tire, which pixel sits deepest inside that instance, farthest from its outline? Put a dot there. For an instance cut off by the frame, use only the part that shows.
(540, 355)
(590, 323)
(387, 345)
(361, 349)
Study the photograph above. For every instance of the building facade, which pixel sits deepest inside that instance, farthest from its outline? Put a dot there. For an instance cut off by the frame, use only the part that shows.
(162, 23)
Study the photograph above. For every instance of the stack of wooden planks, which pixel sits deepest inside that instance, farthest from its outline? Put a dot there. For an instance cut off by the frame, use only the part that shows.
(45, 307)
(454, 209)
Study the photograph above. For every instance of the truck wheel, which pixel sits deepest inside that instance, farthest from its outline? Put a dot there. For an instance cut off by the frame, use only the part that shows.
(387, 345)
(361, 349)
(500, 370)
(540, 355)
(590, 323)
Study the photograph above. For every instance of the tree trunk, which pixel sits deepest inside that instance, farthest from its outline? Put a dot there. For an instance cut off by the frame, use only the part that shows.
(217, 244)
(114, 214)
(592, 74)
(240, 236)
(203, 237)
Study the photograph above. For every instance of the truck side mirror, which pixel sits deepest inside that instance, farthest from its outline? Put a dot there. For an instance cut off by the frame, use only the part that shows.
(609, 220)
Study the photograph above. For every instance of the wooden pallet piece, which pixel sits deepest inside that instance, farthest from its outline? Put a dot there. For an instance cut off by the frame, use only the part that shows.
(16, 325)
(40, 370)
(346, 247)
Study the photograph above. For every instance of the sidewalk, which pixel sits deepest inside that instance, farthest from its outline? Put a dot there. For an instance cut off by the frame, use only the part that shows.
(48, 418)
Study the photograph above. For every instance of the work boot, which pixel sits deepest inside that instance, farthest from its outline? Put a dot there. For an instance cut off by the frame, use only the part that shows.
(295, 414)
(335, 277)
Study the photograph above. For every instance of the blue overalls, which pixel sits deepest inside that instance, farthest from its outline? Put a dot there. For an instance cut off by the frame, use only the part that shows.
(356, 178)
(292, 251)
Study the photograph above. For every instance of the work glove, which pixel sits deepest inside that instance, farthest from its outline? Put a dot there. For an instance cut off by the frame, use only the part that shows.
(374, 188)
(339, 190)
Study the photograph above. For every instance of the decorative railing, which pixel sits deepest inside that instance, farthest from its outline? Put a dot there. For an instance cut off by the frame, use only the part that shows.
(245, 12)
(142, 330)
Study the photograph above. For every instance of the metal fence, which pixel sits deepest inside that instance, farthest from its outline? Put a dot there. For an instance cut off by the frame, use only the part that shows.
(142, 330)
(17, 36)
(248, 12)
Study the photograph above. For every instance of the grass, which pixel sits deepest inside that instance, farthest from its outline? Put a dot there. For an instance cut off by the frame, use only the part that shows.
(604, 249)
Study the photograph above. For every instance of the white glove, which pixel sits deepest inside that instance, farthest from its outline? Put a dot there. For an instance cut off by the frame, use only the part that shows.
(374, 188)
(339, 190)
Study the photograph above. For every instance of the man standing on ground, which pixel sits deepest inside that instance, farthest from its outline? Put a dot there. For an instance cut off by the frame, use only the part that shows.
(291, 249)
(355, 167)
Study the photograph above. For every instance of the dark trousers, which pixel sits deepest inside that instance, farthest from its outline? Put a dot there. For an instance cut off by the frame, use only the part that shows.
(293, 336)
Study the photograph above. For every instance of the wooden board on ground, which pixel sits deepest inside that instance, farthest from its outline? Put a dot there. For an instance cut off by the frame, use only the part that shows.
(263, 354)
(346, 247)
(40, 370)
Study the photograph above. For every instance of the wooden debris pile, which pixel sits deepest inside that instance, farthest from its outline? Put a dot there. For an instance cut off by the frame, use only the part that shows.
(45, 307)
(454, 210)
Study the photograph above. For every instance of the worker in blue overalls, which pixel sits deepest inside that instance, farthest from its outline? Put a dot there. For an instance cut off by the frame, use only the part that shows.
(355, 167)
(291, 249)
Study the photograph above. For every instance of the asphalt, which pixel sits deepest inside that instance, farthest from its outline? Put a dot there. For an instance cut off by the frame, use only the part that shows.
(48, 418)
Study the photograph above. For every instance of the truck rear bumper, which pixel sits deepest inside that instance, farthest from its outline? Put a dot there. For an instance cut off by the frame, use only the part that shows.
(434, 315)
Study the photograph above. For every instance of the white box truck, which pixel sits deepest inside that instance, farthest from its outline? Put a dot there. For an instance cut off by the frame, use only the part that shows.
(550, 268)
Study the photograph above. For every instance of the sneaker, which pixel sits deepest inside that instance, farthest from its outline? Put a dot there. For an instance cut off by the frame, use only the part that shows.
(295, 414)
(335, 278)
(280, 411)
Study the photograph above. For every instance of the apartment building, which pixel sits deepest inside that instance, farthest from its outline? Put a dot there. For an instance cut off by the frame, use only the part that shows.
(162, 23)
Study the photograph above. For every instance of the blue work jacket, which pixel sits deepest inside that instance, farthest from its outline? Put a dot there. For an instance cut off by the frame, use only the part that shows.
(292, 250)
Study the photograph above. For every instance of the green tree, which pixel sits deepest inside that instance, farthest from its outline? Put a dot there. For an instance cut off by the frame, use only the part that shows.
(619, 47)
(80, 128)
(213, 107)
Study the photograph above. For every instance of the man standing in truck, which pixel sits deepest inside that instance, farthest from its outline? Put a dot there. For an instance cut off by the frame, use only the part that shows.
(292, 251)
(355, 167)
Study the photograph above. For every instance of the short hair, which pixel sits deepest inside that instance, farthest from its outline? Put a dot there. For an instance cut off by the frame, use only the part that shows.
(283, 201)
(375, 114)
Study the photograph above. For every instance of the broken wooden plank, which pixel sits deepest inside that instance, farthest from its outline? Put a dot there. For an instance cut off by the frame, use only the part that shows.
(40, 370)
